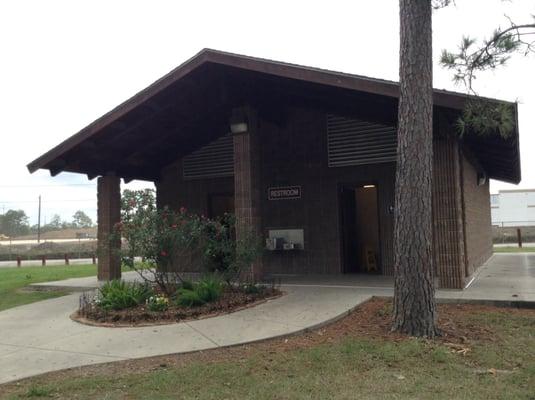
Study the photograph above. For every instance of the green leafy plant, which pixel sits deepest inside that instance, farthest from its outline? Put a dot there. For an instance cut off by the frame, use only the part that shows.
(169, 241)
(118, 295)
(252, 288)
(225, 254)
(187, 285)
(157, 303)
(189, 298)
(207, 290)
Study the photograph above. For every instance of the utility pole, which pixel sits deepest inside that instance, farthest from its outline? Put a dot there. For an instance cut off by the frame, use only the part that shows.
(39, 222)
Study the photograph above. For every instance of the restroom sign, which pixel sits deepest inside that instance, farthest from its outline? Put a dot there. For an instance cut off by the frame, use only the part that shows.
(284, 193)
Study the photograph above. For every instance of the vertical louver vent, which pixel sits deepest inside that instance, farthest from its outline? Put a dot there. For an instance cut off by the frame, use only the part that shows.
(216, 159)
(357, 142)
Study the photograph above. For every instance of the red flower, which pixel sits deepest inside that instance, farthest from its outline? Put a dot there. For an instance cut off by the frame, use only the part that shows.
(182, 210)
(163, 253)
(173, 226)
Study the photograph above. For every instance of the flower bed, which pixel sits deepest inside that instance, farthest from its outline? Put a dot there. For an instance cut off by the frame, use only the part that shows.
(138, 305)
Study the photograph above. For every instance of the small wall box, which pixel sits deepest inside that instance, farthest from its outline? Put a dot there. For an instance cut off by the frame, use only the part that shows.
(285, 239)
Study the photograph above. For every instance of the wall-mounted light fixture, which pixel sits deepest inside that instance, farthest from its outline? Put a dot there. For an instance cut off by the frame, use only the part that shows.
(481, 178)
(239, 121)
(238, 127)
(368, 186)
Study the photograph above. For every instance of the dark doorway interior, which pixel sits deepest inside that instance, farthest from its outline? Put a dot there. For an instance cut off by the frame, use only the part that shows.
(219, 204)
(360, 229)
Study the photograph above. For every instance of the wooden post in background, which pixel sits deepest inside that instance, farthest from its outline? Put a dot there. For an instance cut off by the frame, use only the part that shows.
(108, 214)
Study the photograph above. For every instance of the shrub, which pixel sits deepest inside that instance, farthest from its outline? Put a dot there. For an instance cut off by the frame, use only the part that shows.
(187, 285)
(223, 253)
(207, 290)
(167, 240)
(157, 303)
(118, 295)
(188, 298)
(170, 241)
(251, 288)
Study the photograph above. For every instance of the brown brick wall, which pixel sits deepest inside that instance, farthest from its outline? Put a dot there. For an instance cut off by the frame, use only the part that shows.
(448, 242)
(477, 218)
(295, 153)
(175, 192)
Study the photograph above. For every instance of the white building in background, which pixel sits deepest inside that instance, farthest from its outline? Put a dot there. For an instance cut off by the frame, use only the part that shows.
(513, 207)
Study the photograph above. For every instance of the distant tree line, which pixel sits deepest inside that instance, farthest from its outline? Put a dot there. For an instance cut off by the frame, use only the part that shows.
(16, 223)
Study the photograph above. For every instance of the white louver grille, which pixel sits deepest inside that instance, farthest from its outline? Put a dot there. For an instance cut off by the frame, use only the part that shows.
(357, 142)
(216, 159)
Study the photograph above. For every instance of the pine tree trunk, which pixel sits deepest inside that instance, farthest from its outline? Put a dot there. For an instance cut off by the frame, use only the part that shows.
(414, 297)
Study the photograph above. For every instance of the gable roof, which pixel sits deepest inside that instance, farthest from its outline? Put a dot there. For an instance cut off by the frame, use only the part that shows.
(505, 153)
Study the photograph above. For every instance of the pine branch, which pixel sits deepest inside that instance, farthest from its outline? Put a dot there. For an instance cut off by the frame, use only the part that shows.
(493, 53)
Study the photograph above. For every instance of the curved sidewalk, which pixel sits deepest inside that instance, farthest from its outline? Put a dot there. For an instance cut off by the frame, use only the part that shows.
(40, 337)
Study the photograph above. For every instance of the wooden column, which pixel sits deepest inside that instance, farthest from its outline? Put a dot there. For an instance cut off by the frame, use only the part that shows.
(247, 178)
(109, 214)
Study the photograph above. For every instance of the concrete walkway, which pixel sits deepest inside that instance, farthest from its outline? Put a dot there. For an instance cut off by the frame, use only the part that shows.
(40, 337)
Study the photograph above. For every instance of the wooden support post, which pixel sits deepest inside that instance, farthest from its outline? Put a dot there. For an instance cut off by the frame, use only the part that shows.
(94, 259)
(43, 261)
(109, 214)
(19, 261)
(519, 237)
(66, 259)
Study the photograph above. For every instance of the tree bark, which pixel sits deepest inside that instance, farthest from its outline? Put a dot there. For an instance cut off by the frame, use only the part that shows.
(414, 294)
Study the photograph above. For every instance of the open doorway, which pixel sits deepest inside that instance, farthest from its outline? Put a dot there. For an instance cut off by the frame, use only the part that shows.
(360, 229)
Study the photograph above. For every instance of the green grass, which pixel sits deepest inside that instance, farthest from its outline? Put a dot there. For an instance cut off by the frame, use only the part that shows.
(13, 281)
(349, 368)
(514, 249)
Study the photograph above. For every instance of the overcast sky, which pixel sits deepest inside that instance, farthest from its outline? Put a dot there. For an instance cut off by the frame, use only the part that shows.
(65, 63)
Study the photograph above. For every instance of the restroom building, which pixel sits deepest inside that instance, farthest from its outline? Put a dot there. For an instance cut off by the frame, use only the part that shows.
(304, 156)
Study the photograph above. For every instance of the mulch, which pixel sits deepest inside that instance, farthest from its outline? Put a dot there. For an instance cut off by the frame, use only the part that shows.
(232, 299)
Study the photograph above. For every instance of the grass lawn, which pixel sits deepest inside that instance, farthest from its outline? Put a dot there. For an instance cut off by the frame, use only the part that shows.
(12, 280)
(513, 249)
(355, 358)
